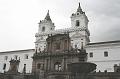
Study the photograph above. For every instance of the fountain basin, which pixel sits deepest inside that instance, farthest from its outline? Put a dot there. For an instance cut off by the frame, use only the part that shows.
(81, 67)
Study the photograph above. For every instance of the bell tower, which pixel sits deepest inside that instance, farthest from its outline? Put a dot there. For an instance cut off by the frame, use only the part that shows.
(79, 19)
(46, 25)
(79, 22)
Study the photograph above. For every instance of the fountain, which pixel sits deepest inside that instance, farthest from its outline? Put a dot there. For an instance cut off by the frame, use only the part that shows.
(81, 69)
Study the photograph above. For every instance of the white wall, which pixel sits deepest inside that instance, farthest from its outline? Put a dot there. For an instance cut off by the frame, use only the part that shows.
(20, 54)
(104, 63)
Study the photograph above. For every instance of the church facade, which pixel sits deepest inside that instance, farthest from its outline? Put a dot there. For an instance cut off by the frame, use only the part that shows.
(104, 54)
(60, 60)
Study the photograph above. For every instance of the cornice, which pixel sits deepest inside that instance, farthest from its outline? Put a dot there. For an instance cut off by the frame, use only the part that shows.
(17, 51)
(63, 31)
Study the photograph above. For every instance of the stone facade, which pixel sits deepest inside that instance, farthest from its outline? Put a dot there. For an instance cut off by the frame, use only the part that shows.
(52, 62)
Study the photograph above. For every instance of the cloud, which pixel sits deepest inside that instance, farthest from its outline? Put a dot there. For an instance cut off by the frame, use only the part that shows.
(104, 19)
(106, 7)
(19, 19)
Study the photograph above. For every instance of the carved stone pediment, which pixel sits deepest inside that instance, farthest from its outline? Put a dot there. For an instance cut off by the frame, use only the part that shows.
(76, 35)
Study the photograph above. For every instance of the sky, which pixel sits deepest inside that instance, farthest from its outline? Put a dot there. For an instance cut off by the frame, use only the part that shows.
(19, 20)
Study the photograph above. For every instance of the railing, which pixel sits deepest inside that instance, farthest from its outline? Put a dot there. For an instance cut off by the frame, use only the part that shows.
(45, 54)
(63, 31)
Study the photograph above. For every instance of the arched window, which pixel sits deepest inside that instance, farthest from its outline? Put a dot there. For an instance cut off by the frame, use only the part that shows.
(38, 66)
(6, 57)
(77, 23)
(48, 46)
(77, 13)
(26, 56)
(75, 45)
(43, 29)
(58, 46)
(4, 66)
(57, 66)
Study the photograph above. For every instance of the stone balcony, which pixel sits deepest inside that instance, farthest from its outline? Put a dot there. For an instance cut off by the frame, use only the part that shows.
(74, 52)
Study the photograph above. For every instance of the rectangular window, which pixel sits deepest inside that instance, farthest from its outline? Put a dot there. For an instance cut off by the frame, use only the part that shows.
(91, 54)
(6, 57)
(105, 53)
(15, 57)
(26, 56)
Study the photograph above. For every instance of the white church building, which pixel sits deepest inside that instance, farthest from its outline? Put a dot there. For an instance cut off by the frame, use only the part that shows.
(104, 54)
